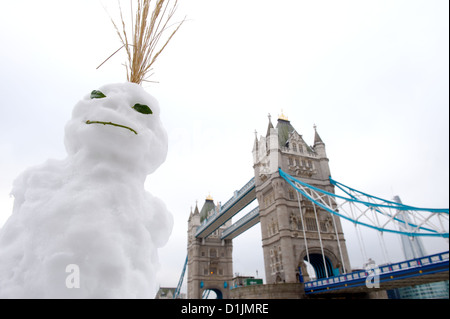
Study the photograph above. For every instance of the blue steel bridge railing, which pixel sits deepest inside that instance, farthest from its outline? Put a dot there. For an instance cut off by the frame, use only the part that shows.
(401, 270)
(176, 295)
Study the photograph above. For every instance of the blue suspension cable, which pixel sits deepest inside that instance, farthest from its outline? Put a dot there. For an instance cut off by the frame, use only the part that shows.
(432, 233)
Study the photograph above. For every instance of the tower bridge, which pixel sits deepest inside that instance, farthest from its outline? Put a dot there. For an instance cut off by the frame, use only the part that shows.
(300, 219)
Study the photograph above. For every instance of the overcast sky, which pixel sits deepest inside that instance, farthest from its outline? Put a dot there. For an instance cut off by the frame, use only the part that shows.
(372, 75)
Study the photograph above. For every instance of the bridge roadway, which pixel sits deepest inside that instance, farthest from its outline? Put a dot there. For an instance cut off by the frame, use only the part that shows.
(411, 272)
(241, 199)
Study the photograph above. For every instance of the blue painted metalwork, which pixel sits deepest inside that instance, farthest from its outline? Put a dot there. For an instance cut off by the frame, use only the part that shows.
(376, 207)
(316, 260)
(396, 205)
(391, 204)
(402, 270)
(176, 295)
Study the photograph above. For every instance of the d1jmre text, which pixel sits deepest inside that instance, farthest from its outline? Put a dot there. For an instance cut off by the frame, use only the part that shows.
(237, 308)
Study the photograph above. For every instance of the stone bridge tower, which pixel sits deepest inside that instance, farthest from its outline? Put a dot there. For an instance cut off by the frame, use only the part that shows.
(283, 227)
(210, 259)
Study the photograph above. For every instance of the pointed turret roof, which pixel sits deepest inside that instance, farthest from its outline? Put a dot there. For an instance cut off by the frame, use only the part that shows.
(192, 214)
(269, 126)
(284, 128)
(207, 206)
(317, 139)
(196, 212)
(255, 143)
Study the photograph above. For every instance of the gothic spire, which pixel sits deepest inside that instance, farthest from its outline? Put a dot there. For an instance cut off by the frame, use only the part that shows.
(270, 125)
(317, 139)
(255, 143)
(196, 212)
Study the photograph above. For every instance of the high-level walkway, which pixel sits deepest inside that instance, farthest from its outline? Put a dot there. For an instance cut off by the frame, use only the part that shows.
(241, 199)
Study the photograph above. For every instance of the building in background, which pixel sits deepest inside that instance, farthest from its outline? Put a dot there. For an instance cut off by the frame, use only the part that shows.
(168, 293)
(413, 248)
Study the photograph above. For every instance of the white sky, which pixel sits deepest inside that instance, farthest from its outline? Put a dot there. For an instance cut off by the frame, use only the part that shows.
(373, 76)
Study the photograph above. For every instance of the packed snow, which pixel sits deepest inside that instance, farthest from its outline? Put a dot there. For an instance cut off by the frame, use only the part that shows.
(84, 226)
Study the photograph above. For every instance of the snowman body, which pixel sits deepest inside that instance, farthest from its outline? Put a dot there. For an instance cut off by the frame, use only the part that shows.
(84, 226)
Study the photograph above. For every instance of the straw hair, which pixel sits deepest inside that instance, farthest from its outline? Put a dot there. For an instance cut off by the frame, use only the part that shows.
(143, 47)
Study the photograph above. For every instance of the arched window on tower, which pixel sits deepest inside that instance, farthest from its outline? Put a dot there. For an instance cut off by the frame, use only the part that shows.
(311, 224)
(291, 194)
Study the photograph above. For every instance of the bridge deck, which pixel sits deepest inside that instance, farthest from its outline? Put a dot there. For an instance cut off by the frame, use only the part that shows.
(412, 272)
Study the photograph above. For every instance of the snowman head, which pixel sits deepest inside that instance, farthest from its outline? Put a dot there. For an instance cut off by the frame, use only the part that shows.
(120, 124)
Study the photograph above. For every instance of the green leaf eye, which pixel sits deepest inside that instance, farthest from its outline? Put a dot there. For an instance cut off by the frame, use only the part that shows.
(144, 109)
(97, 95)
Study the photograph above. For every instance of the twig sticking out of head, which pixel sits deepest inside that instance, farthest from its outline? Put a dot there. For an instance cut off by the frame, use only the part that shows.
(149, 26)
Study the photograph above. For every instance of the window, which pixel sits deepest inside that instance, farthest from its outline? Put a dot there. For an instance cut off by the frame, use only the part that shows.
(311, 224)
(323, 226)
(268, 199)
(291, 162)
(276, 259)
(294, 147)
(291, 194)
(272, 227)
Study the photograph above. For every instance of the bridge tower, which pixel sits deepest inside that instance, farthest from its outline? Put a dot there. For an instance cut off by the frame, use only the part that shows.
(290, 236)
(210, 259)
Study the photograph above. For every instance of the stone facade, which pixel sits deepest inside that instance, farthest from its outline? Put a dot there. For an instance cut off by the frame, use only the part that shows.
(283, 228)
(210, 260)
(274, 291)
(296, 291)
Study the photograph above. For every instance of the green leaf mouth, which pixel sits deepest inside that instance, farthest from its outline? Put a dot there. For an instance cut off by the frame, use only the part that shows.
(111, 123)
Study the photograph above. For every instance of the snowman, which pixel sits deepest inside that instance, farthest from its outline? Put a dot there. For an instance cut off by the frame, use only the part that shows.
(84, 226)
